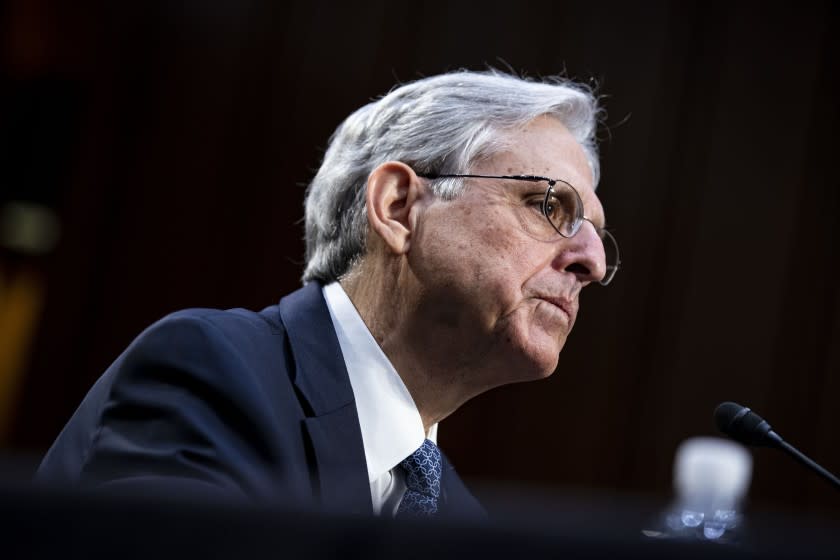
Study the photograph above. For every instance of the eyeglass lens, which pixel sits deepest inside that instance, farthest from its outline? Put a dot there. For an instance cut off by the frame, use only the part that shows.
(564, 209)
(611, 253)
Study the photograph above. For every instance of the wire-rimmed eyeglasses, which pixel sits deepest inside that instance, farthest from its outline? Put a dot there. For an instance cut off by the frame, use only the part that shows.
(563, 208)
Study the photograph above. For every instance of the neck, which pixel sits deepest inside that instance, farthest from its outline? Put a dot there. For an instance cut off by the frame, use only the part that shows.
(406, 334)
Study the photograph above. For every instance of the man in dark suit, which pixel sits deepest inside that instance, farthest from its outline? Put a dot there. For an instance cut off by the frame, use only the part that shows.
(449, 232)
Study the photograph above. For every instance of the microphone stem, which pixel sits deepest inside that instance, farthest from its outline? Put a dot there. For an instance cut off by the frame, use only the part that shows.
(802, 458)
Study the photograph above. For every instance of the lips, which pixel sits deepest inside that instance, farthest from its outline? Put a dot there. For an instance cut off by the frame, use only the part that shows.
(564, 305)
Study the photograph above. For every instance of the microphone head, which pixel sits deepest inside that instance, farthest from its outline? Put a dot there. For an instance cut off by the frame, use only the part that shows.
(743, 425)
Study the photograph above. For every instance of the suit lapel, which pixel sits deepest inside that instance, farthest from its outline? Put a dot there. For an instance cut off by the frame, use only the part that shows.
(321, 378)
(333, 427)
(457, 500)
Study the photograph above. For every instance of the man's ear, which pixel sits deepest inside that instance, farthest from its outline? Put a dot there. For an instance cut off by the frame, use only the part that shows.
(393, 188)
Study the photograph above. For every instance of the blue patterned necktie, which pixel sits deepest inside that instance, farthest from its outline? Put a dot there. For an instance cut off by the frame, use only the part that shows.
(423, 471)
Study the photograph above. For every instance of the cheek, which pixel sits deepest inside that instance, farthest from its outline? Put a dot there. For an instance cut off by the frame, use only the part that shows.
(512, 257)
(483, 254)
(498, 240)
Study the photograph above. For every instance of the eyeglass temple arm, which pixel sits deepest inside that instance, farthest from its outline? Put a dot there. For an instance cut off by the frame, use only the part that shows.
(532, 178)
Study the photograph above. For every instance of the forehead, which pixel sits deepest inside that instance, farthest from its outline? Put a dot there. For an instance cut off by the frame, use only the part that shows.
(545, 147)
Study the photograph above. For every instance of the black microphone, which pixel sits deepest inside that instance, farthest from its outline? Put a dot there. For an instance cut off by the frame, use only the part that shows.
(743, 425)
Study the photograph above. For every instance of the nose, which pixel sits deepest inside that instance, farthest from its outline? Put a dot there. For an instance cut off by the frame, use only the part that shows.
(583, 255)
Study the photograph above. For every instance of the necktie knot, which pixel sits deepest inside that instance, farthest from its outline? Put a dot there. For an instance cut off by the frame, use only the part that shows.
(423, 473)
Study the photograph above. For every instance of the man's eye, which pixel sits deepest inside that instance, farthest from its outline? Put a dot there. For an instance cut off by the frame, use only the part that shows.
(536, 201)
(553, 207)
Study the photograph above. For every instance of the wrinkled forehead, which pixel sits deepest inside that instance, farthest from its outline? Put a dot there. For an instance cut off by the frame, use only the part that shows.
(545, 147)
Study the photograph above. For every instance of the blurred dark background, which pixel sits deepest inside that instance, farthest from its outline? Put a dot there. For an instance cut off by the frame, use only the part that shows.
(153, 156)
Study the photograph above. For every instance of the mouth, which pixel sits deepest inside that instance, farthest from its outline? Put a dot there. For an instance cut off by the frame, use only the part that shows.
(564, 305)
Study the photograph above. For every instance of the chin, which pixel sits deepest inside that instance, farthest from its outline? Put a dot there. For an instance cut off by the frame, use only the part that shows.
(548, 367)
(519, 367)
(530, 350)
(546, 355)
(538, 360)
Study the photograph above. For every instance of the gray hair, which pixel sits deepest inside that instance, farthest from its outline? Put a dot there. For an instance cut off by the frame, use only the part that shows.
(442, 124)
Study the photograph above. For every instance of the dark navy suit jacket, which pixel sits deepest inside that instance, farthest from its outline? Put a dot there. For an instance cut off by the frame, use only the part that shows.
(233, 404)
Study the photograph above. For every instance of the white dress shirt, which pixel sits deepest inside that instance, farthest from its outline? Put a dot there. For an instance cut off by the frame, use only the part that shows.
(391, 425)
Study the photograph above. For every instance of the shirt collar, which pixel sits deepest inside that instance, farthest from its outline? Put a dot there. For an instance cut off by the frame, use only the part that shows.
(391, 425)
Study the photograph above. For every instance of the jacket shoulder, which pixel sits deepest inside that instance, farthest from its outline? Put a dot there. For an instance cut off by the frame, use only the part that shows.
(202, 394)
